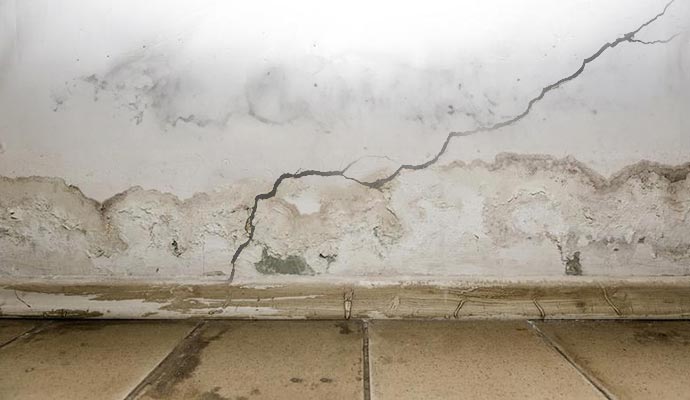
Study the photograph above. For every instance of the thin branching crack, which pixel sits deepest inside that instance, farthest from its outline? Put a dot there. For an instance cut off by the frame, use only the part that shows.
(659, 41)
(627, 37)
(377, 184)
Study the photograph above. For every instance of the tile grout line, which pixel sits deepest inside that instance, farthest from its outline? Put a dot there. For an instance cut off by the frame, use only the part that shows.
(366, 368)
(147, 379)
(596, 383)
(28, 333)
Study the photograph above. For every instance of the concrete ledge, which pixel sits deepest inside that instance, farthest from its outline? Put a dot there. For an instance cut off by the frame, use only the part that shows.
(629, 299)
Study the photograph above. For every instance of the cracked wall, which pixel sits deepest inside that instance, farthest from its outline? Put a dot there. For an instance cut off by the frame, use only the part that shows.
(206, 146)
(522, 215)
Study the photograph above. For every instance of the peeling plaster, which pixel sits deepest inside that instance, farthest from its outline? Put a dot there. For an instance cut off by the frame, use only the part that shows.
(522, 215)
(48, 227)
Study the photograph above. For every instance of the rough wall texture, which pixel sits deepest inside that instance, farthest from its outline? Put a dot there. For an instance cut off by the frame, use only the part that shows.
(518, 216)
(529, 154)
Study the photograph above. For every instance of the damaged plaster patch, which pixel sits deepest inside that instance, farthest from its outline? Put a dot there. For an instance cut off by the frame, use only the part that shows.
(45, 223)
(346, 210)
(521, 215)
(307, 202)
(290, 265)
(593, 218)
(50, 228)
(572, 265)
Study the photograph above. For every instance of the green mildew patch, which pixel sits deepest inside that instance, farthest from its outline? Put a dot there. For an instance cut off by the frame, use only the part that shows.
(292, 265)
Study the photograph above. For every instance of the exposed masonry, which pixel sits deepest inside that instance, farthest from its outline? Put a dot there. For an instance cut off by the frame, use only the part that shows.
(627, 37)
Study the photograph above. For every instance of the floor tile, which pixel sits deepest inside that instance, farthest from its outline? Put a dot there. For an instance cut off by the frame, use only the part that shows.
(11, 328)
(242, 360)
(632, 359)
(85, 360)
(468, 359)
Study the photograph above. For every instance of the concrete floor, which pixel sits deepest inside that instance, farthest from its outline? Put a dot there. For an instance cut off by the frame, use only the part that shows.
(248, 360)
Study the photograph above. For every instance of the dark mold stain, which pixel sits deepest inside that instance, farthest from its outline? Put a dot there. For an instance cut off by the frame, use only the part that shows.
(649, 336)
(265, 90)
(213, 395)
(330, 258)
(98, 84)
(291, 265)
(572, 264)
(82, 326)
(183, 361)
(177, 251)
(158, 96)
(344, 328)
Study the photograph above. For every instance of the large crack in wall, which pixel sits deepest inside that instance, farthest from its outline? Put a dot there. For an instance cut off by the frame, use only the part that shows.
(520, 215)
(376, 184)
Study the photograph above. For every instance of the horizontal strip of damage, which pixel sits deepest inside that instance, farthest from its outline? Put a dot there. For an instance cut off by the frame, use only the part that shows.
(627, 299)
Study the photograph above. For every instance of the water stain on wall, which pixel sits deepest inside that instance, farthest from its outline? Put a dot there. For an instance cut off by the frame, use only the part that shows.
(522, 215)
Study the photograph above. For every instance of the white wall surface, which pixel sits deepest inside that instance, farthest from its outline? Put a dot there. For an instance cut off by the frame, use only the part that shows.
(219, 98)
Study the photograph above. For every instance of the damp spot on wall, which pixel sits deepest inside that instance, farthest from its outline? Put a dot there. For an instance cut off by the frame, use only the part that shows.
(344, 328)
(290, 265)
(654, 335)
(176, 249)
(213, 395)
(572, 264)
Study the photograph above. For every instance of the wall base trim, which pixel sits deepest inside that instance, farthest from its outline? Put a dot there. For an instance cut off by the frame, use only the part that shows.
(633, 299)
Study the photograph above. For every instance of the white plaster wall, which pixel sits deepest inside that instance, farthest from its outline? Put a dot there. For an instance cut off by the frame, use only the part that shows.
(219, 98)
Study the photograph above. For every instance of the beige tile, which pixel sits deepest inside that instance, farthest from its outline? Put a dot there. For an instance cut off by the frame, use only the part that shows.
(11, 328)
(632, 359)
(468, 359)
(85, 360)
(263, 360)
